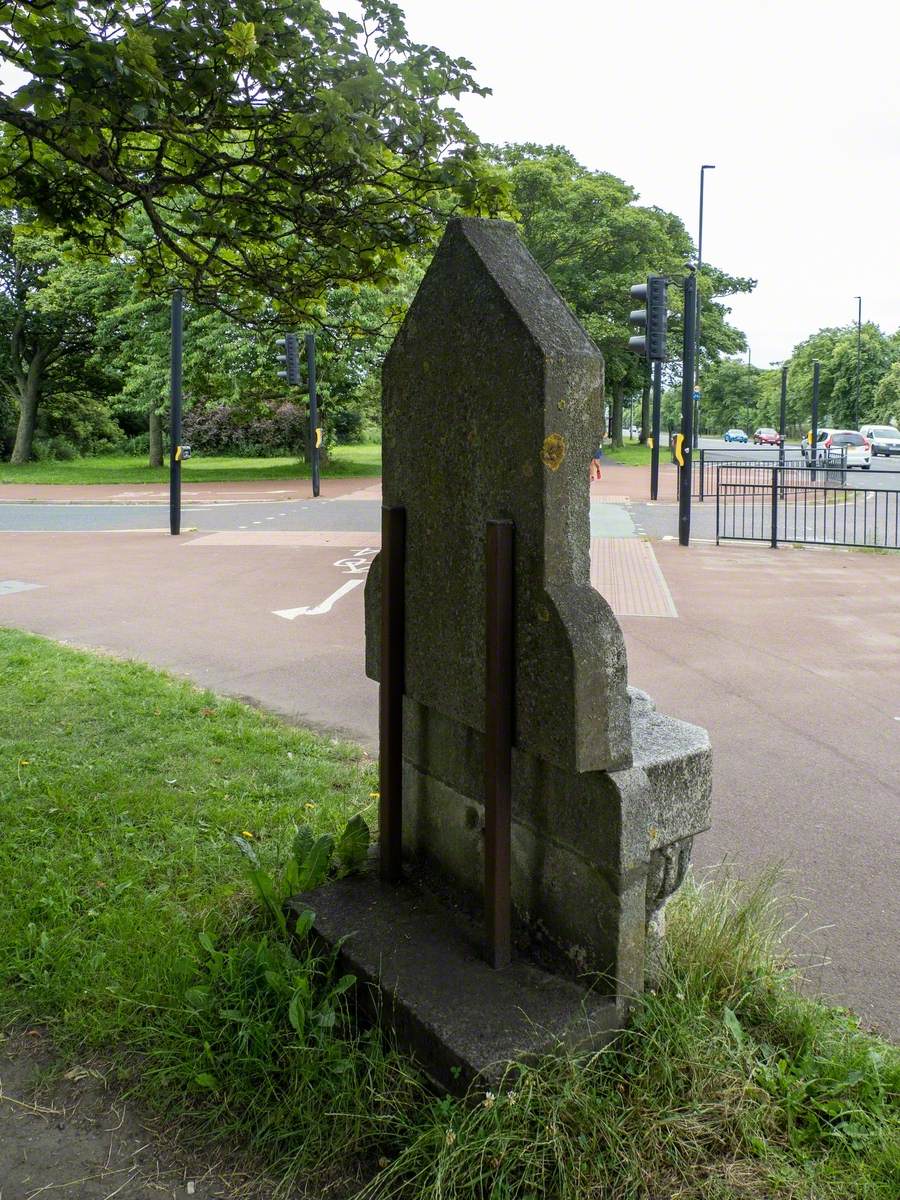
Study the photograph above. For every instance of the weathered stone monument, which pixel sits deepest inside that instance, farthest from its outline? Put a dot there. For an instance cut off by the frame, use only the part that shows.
(523, 783)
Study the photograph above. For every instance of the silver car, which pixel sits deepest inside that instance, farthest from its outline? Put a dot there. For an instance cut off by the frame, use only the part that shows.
(884, 439)
(846, 444)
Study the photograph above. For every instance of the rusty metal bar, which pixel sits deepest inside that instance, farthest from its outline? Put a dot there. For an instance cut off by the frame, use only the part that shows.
(498, 742)
(390, 692)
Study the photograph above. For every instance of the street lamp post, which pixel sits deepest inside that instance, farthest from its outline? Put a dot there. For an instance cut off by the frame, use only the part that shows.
(705, 167)
(858, 348)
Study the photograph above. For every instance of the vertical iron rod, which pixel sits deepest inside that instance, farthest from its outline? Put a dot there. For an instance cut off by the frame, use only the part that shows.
(774, 508)
(687, 408)
(654, 453)
(718, 490)
(498, 742)
(175, 413)
(390, 693)
(313, 410)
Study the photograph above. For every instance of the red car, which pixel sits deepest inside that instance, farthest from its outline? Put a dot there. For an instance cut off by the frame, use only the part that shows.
(767, 437)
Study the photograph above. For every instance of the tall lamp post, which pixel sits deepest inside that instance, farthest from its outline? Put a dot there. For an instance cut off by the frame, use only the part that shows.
(705, 167)
(858, 348)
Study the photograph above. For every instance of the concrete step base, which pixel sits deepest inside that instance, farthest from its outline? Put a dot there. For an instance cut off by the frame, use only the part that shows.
(421, 967)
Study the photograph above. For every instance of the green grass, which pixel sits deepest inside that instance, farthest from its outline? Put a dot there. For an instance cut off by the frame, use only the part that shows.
(633, 454)
(131, 931)
(343, 461)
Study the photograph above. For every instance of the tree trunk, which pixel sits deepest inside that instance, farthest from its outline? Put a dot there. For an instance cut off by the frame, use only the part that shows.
(646, 429)
(615, 415)
(156, 440)
(28, 405)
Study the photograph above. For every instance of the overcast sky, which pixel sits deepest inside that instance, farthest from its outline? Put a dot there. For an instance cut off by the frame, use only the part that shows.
(797, 103)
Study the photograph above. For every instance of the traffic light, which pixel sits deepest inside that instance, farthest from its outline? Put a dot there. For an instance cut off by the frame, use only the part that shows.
(653, 318)
(290, 358)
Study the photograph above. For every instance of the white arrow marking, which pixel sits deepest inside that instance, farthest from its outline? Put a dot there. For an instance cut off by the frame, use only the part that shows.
(318, 609)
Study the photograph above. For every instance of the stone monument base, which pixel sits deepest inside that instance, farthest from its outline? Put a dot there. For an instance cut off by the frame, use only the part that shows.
(421, 968)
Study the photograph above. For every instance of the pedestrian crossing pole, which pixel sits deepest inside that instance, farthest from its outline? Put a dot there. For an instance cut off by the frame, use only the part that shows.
(175, 413)
(315, 435)
(654, 450)
(687, 407)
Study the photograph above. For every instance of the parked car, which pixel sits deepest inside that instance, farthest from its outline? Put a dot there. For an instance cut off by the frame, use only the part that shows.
(857, 447)
(766, 436)
(884, 439)
(735, 435)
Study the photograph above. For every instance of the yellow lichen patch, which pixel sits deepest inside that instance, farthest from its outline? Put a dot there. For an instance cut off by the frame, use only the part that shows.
(553, 451)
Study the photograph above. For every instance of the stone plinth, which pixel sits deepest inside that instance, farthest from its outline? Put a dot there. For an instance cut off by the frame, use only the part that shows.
(493, 396)
(420, 970)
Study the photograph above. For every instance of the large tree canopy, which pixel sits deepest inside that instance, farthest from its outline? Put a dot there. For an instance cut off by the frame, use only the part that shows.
(594, 240)
(274, 148)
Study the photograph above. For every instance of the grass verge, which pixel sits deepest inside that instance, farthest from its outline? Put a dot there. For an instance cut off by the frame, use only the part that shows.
(130, 929)
(118, 468)
(633, 454)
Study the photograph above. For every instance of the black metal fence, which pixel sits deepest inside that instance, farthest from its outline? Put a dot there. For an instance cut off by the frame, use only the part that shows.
(810, 505)
(707, 460)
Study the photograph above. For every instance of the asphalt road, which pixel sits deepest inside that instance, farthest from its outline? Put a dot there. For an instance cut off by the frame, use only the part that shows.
(884, 473)
(321, 514)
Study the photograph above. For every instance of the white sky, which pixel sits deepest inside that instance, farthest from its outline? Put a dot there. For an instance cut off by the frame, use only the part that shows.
(796, 102)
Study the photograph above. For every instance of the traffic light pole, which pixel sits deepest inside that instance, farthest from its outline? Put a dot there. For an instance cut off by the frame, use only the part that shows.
(782, 415)
(175, 414)
(313, 411)
(814, 448)
(687, 407)
(655, 420)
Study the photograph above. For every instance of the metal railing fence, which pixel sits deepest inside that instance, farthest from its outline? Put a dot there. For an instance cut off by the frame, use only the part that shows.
(808, 505)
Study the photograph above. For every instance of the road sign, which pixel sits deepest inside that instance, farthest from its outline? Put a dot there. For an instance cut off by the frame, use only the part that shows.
(696, 394)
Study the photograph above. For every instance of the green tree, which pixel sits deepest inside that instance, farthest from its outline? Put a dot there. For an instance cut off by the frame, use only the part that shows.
(835, 351)
(885, 406)
(47, 325)
(732, 395)
(594, 240)
(274, 149)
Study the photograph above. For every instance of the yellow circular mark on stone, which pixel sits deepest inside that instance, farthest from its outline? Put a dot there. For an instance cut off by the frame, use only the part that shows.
(553, 451)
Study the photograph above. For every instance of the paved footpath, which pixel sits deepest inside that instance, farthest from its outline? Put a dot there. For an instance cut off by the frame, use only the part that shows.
(791, 659)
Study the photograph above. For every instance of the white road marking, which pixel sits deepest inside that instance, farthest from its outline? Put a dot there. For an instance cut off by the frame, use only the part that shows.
(319, 609)
(8, 586)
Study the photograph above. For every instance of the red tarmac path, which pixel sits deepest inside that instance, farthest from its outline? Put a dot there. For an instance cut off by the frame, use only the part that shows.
(791, 659)
(191, 493)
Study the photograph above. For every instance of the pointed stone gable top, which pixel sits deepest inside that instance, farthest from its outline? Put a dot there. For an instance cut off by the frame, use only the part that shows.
(492, 406)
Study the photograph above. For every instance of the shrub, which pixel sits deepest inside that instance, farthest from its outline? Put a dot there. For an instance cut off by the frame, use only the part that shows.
(78, 420)
(346, 424)
(139, 444)
(62, 449)
(54, 449)
(277, 429)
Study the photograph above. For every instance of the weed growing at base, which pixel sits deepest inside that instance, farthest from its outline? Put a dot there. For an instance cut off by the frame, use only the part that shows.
(132, 928)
